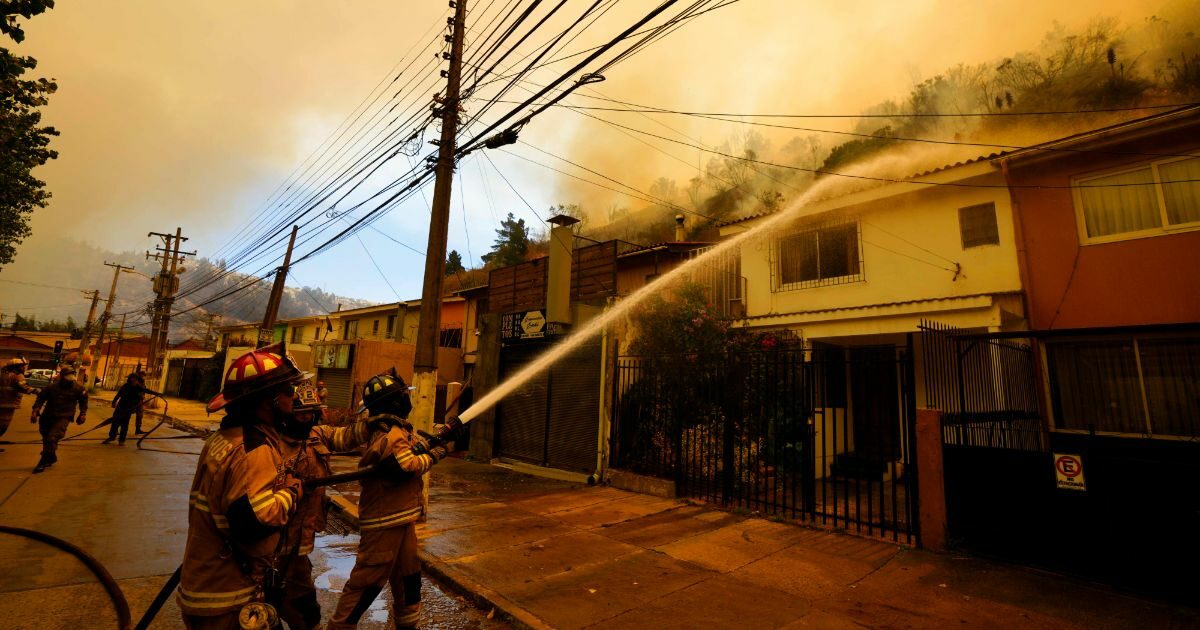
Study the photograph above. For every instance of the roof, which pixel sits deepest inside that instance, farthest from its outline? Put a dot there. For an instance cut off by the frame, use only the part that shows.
(1154, 122)
(681, 247)
(17, 341)
(869, 184)
(189, 344)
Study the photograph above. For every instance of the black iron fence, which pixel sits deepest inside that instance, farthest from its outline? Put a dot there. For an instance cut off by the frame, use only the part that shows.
(822, 435)
(985, 388)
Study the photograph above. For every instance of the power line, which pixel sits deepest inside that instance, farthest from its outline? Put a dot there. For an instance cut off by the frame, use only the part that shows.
(44, 286)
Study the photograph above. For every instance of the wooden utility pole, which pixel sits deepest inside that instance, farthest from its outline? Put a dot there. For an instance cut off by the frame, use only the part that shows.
(429, 326)
(266, 333)
(107, 316)
(166, 284)
(120, 338)
(87, 333)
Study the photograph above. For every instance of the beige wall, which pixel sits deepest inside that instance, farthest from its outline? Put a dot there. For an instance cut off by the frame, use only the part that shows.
(908, 241)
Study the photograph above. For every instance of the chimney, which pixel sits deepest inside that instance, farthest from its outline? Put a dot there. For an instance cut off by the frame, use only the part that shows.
(680, 234)
(558, 283)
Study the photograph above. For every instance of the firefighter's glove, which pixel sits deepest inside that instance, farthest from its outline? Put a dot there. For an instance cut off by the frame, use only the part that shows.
(453, 430)
(34, 417)
(438, 453)
(81, 419)
(295, 487)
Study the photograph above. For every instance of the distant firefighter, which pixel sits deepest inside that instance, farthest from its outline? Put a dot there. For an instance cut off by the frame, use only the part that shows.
(12, 387)
(53, 410)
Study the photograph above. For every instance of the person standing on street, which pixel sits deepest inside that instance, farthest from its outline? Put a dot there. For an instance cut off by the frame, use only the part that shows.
(12, 387)
(244, 494)
(128, 400)
(59, 401)
(389, 506)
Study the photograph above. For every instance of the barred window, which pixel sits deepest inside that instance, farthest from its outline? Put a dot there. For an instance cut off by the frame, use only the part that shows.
(818, 257)
(977, 224)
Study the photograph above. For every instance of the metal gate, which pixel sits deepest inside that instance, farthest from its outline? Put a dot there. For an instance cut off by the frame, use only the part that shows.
(337, 381)
(552, 420)
(819, 434)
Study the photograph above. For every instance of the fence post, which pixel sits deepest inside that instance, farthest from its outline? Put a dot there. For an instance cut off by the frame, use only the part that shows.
(931, 484)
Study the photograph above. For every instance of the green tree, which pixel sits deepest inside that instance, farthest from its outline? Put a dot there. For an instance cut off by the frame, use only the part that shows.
(454, 263)
(512, 243)
(24, 143)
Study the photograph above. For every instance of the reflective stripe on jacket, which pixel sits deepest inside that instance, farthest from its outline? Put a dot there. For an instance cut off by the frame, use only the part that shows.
(220, 574)
(393, 500)
(314, 463)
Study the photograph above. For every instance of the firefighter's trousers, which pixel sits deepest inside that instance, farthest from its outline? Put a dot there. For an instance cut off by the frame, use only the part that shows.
(228, 621)
(300, 609)
(120, 424)
(53, 430)
(385, 557)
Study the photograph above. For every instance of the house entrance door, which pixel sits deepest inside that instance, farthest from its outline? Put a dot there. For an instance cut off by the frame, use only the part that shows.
(876, 403)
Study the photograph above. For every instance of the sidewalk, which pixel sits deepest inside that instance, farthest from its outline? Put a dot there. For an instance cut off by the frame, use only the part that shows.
(549, 554)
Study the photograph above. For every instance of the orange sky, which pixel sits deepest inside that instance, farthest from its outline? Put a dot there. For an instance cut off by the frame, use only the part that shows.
(191, 113)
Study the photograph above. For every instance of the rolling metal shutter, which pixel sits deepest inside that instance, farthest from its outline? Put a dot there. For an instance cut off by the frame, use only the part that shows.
(575, 411)
(337, 381)
(553, 419)
(521, 416)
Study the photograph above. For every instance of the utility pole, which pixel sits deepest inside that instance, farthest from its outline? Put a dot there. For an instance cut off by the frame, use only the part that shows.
(429, 326)
(107, 316)
(166, 284)
(211, 320)
(87, 333)
(266, 333)
(120, 338)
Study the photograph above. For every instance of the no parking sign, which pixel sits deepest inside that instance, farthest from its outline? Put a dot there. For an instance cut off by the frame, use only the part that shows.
(1068, 471)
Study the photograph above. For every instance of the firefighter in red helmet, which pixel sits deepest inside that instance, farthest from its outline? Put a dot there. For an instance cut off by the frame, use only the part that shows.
(244, 493)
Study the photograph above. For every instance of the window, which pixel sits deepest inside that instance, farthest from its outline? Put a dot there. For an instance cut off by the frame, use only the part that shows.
(1145, 201)
(350, 329)
(818, 257)
(297, 334)
(375, 327)
(977, 224)
(391, 325)
(1127, 385)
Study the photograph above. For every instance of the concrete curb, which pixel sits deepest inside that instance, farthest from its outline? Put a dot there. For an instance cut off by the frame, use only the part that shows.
(481, 596)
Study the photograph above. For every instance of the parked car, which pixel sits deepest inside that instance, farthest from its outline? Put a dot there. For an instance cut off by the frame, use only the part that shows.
(39, 377)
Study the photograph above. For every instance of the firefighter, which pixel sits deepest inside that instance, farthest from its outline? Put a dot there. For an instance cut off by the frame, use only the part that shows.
(128, 400)
(389, 506)
(300, 608)
(244, 493)
(59, 400)
(12, 386)
(322, 392)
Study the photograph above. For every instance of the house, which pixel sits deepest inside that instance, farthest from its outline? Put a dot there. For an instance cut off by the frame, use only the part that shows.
(1108, 230)
(36, 347)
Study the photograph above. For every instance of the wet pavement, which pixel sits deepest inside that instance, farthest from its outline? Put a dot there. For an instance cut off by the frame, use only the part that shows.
(128, 508)
(543, 553)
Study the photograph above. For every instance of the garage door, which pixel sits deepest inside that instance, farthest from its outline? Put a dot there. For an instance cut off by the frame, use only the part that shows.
(337, 381)
(553, 419)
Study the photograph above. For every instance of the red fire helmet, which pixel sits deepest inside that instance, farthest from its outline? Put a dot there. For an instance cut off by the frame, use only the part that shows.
(255, 372)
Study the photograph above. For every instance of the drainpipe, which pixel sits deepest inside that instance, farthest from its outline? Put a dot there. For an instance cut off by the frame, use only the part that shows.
(1019, 240)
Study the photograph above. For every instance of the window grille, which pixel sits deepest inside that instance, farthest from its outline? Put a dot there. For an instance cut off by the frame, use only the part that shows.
(977, 225)
(818, 257)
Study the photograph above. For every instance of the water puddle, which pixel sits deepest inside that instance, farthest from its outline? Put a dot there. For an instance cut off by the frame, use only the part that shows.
(333, 559)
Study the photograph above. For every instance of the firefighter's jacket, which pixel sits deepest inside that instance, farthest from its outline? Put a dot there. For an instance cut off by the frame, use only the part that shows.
(12, 385)
(58, 401)
(393, 497)
(244, 493)
(314, 463)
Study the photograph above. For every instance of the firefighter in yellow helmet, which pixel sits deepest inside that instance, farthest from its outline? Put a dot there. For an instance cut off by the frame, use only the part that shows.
(245, 491)
(12, 386)
(389, 506)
